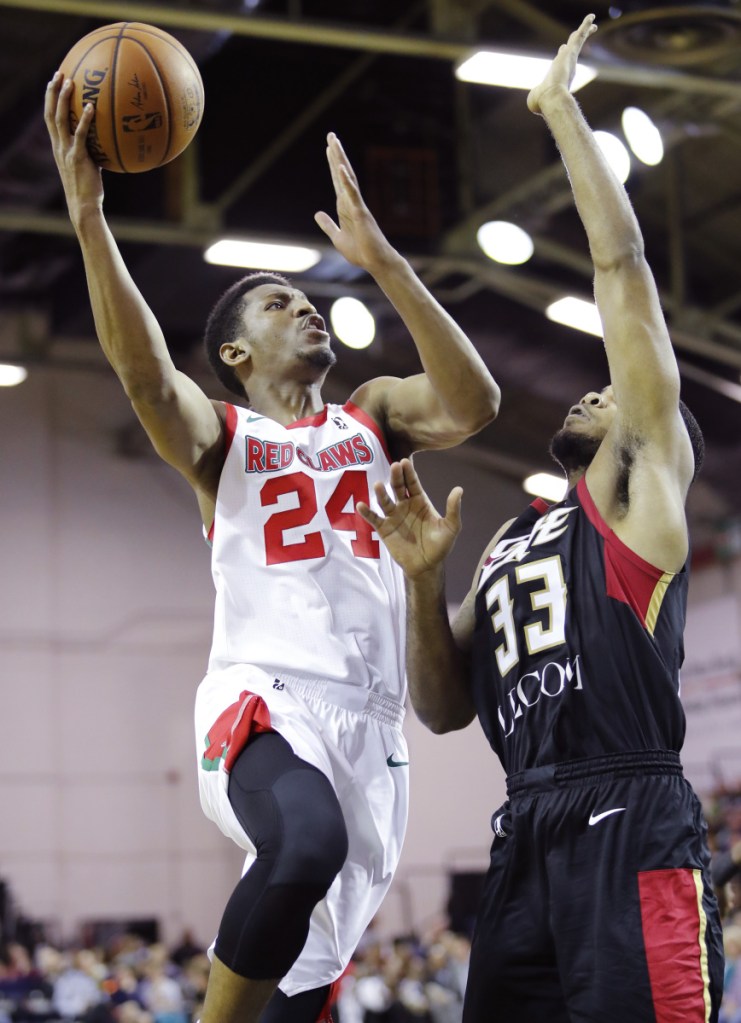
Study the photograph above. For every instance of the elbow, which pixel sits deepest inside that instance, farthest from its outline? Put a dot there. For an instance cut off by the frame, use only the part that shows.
(626, 255)
(440, 723)
(148, 393)
(436, 725)
(483, 411)
(490, 405)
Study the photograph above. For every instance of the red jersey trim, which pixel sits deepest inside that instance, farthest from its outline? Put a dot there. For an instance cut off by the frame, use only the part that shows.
(628, 577)
(540, 505)
(368, 421)
(230, 428)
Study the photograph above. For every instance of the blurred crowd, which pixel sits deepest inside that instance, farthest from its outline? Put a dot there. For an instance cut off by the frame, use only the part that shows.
(723, 811)
(128, 980)
(404, 980)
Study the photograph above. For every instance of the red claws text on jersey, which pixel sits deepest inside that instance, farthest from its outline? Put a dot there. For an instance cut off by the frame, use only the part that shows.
(272, 456)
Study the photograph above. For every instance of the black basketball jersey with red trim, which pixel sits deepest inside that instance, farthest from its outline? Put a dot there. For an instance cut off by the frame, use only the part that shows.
(578, 641)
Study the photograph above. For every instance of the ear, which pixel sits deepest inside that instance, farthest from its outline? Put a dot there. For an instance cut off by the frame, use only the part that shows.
(235, 353)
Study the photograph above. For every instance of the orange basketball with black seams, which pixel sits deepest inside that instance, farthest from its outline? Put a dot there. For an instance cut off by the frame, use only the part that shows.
(147, 92)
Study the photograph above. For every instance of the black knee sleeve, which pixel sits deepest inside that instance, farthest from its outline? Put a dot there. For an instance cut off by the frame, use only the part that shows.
(296, 824)
(302, 1008)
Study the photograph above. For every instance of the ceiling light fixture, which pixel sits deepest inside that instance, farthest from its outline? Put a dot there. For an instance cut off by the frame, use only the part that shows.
(644, 138)
(545, 484)
(261, 255)
(576, 313)
(513, 70)
(352, 322)
(11, 376)
(504, 242)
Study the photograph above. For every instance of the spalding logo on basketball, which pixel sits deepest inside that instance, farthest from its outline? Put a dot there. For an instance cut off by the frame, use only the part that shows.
(147, 93)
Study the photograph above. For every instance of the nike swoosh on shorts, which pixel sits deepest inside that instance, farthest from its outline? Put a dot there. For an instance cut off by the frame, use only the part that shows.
(396, 763)
(595, 818)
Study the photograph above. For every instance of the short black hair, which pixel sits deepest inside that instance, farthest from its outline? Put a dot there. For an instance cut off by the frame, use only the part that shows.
(696, 438)
(225, 323)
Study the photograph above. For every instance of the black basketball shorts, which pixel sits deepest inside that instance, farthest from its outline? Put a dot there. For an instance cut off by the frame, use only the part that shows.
(598, 905)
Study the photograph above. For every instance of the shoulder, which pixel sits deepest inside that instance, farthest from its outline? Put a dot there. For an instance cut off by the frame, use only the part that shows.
(372, 397)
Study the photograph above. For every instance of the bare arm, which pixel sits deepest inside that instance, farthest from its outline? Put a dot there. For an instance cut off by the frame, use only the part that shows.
(181, 421)
(640, 476)
(643, 370)
(419, 540)
(456, 395)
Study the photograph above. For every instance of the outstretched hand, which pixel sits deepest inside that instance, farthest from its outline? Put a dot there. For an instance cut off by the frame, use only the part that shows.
(357, 236)
(416, 536)
(561, 72)
(81, 176)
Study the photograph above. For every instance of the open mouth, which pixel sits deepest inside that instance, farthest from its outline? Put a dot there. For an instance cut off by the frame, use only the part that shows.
(578, 411)
(314, 323)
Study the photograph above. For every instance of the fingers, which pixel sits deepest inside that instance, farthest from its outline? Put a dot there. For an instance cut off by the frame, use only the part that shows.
(51, 99)
(327, 225)
(334, 169)
(343, 176)
(397, 478)
(411, 480)
(370, 516)
(453, 509)
(585, 30)
(61, 114)
(340, 156)
(384, 498)
(79, 142)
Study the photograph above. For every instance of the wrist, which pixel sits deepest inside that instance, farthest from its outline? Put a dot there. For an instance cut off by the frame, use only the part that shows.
(86, 216)
(555, 97)
(386, 264)
(426, 580)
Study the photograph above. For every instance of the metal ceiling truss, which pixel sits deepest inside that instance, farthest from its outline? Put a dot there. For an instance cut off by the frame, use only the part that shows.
(547, 189)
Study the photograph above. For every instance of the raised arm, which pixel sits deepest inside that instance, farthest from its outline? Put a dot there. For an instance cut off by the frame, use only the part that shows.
(643, 369)
(456, 395)
(184, 426)
(419, 540)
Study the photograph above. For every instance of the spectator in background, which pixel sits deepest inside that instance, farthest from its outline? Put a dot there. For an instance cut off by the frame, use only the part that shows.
(186, 949)
(161, 993)
(731, 1008)
(75, 991)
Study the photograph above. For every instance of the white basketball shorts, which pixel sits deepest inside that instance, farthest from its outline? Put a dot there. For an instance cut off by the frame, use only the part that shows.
(354, 737)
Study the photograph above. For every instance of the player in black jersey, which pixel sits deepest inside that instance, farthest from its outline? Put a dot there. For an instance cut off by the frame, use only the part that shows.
(598, 905)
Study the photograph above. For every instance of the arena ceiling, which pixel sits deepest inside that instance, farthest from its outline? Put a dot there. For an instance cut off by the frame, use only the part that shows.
(436, 158)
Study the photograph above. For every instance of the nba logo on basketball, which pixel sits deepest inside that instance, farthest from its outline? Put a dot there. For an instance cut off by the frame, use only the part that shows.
(141, 122)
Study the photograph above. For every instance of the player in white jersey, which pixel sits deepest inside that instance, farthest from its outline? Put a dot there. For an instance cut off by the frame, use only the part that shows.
(302, 760)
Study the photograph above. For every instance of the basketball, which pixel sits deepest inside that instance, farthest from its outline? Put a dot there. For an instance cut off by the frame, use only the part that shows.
(147, 93)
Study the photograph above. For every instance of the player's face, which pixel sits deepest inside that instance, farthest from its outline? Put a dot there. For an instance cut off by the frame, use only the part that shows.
(593, 414)
(583, 430)
(283, 328)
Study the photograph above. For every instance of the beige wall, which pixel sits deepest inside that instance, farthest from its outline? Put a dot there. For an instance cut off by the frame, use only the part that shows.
(105, 619)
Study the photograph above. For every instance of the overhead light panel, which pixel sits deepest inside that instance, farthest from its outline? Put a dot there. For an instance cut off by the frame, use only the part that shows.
(576, 313)
(11, 376)
(644, 138)
(513, 71)
(261, 255)
(505, 242)
(546, 485)
(352, 322)
(615, 153)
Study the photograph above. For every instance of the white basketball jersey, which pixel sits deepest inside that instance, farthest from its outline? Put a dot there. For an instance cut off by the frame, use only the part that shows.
(304, 587)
